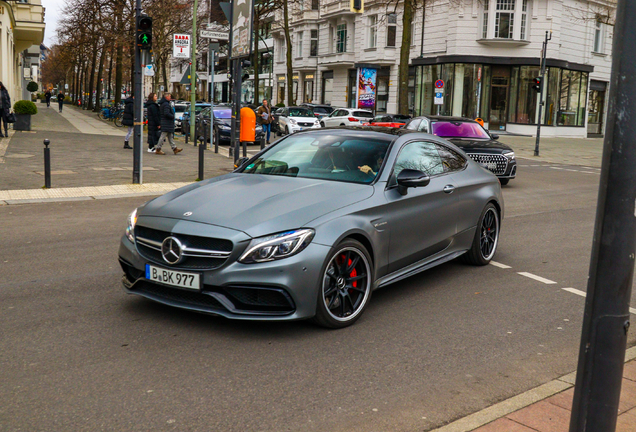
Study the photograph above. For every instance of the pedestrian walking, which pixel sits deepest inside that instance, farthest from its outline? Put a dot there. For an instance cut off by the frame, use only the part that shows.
(167, 125)
(129, 119)
(154, 122)
(60, 100)
(5, 106)
(264, 118)
(47, 96)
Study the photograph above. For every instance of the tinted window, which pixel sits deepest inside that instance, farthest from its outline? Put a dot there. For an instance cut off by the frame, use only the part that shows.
(300, 112)
(340, 113)
(451, 160)
(362, 114)
(321, 110)
(378, 119)
(223, 113)
(401, 118)
(413, 124)
(459, 130)
(279, 111)
(421, 156)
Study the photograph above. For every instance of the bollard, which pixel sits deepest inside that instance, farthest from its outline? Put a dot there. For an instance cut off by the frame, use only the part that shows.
(47, 164)
(216, 140)
(262, 143)
(201, 156)
(244, 144)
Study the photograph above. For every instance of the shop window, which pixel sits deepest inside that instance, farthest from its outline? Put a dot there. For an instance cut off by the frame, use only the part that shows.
(382, 93)
(373, 31)
(504, 19)
(391, 34)
(313, 50)
(523, 98)
(552, 97)
(352, 88)
(341, 35)
(570, 98)
(327, 87)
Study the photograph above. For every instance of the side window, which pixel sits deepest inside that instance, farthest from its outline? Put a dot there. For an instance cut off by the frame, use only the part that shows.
(423, 126)
(422, 156)
(451, 160)
(413, 124)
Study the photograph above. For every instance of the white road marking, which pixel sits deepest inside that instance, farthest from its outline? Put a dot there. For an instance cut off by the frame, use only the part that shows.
(537, 278)
(500, 265)
(584, 294)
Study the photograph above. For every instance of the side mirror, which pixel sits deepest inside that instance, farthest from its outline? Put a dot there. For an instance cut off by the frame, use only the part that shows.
(241, 162)
(494, 136)
(408, 178)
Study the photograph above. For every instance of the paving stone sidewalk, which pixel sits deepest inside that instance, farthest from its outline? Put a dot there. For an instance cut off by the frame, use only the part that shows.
(568, 151)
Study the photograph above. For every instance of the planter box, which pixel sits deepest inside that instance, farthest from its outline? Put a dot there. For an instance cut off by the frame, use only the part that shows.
(22, 122)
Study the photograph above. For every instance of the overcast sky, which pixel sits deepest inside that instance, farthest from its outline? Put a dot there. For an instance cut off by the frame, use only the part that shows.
(52, 15)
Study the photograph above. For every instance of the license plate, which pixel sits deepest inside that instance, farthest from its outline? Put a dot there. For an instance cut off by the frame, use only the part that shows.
(175, 278)
(491, 166)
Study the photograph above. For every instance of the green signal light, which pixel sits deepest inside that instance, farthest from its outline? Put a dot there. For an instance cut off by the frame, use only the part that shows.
(144, 39)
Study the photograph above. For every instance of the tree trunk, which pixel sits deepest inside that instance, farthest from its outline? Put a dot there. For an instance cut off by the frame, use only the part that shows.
(405, 51)
(257, 96)
(100, 74)
(290, 72)
(91, 81)
(110, 72)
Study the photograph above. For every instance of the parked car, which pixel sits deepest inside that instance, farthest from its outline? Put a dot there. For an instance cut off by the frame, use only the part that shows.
(179, 110)
(470, 136)
(346, 117)
(294, 119)
(222, 124)
(389, 120)
(319, 110)
(310, 226)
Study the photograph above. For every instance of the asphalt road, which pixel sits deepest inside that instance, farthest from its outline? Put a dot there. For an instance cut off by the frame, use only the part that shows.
(77, 354)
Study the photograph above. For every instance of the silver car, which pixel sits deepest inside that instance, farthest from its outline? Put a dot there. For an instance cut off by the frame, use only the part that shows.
(312, 225)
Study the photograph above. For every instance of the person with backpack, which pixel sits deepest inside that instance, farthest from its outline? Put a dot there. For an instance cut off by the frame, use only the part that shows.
(129, 119)
(154, 121)
(167, 125)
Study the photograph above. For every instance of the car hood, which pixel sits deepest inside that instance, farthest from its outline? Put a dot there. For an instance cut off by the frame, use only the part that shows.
(491, 146)
(257, 204)
(303, 119)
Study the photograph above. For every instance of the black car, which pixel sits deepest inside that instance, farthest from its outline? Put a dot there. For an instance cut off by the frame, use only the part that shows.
(222, 123)
(478, 143)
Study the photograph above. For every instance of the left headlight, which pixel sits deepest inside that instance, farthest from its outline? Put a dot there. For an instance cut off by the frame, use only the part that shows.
(277, 246)
(510, 155)
(292, 121)
(130, 228)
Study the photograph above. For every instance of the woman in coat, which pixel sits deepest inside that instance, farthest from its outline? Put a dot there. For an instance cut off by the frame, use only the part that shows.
(5, 106)
(129, 119)
(154, 122)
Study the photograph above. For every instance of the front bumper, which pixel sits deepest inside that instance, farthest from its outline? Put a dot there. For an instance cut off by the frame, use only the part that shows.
(297, 128)
(280, 290)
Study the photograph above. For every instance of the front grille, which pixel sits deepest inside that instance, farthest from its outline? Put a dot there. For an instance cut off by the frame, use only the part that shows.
(487, 159)
(190, 262)
(259, 299)
(175, 295)
(305, 124)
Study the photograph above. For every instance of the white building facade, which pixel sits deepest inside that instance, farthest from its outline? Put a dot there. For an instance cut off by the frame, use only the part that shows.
(487, 53)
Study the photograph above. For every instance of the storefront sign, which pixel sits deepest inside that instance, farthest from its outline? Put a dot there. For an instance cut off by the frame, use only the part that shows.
(366, 88)
(309, 77)
(281, 78)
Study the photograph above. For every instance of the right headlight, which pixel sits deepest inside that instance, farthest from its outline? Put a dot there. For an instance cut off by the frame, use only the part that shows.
(292, 121)
(130, 228)
(277, 246)
(510, 155)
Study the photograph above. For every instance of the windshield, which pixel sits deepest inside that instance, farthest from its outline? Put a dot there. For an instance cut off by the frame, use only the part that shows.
(223, 113)
(199, 108)
(300, 112)
(330, 157)
(180, 108)
(459, 130)
(322, 110)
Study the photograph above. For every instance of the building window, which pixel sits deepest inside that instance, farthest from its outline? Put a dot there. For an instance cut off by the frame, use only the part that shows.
(265, 30)
(524, 13)
(504, 19)
(313, 50)
(341, 42)
(373, 31)
(391, 31)
(315, 4)
(299, 44)
(485, 21)
(282, 53)
(598, 37)
(331, 39)
(327, 87)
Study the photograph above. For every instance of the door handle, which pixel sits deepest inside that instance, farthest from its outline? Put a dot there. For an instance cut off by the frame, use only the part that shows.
(449, 189)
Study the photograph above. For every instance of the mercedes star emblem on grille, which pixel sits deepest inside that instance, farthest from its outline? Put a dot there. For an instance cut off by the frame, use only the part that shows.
(172, 250)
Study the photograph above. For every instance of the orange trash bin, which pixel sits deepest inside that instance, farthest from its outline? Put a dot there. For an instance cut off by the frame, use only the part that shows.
(248, 125)
(480, 121)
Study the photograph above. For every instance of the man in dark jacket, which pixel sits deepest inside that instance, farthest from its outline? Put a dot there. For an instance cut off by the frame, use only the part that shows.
(60, 100)
(167, 125)
(47, 96)
(154, 121)
(5, 106)
(129, 119)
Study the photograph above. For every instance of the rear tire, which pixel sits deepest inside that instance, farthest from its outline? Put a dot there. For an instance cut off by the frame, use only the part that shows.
(345, 286)
(504, 181)
(486, 237)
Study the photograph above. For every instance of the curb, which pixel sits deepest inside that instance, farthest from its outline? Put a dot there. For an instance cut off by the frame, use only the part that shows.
(515, 403)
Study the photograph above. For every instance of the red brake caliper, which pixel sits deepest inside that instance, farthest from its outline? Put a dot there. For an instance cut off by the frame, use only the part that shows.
(353, 274)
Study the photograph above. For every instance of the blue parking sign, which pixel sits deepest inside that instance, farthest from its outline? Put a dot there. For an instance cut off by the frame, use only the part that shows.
(439, 95)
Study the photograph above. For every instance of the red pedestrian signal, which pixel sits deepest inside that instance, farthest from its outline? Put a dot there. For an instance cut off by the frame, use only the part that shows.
(536, 84)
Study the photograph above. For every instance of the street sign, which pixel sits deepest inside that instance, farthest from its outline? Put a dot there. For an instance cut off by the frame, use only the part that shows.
(439, 98)
(209, 34)
(149, 70)
(65, 86)
(439, 84)
(162, 88)
(181, 46)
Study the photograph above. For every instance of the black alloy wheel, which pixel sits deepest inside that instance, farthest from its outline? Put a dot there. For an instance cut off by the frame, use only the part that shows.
(486, 237)
(345, 288)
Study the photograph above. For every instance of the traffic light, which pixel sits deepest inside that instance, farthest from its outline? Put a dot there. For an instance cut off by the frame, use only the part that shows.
(144, 32)
(536, 84)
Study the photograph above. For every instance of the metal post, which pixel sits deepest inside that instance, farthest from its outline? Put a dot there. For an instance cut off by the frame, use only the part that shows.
(47, 164)
(193, 73)
(606, 318)
(211, 54)
(201, 157)
(138, 107)
(236, 117)
(542, 87)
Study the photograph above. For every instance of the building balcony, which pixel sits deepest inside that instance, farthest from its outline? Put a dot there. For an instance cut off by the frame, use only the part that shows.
(305, 64)
(332, 8)
(347, 59)
(29, 24)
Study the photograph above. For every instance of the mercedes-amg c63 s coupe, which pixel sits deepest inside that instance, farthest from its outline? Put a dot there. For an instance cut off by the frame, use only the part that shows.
(312, 225)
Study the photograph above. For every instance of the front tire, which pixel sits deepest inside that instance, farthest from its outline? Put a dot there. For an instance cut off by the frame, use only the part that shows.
(345, 286)
(286, 130)
(486, 237)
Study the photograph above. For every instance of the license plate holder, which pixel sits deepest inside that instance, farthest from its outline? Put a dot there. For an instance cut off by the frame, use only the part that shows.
(174, 278)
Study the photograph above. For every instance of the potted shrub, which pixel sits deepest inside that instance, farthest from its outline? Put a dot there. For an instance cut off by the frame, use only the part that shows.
(23, 111)
(32, 87)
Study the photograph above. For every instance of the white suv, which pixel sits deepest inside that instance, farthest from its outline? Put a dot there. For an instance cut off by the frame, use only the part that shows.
(347, 117)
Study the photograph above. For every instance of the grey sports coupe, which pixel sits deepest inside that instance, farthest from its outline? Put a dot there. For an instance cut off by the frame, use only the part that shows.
(309, 227)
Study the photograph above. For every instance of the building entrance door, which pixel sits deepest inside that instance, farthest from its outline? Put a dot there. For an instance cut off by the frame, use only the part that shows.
(596, 109)
(499, 84)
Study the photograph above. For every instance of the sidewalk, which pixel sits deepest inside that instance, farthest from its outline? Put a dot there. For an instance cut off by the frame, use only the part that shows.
(547, 408)
(568, 151)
